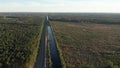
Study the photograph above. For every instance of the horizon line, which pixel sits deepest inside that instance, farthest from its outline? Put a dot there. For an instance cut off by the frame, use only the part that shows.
(57, 12)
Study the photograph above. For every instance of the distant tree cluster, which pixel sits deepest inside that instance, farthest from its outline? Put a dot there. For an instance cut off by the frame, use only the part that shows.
(87, 18)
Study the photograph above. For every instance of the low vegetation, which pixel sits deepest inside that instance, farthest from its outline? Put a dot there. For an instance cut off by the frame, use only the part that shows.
(88, 45)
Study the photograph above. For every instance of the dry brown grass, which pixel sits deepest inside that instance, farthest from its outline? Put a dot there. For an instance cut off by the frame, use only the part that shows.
(90, 45)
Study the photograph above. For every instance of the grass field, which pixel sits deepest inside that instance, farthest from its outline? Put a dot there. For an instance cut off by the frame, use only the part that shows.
(88, 45)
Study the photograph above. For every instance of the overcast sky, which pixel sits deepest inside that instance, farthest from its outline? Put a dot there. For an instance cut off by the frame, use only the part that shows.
(60, 6)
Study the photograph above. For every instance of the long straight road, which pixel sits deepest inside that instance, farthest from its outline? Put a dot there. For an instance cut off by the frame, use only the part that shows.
(40, 62)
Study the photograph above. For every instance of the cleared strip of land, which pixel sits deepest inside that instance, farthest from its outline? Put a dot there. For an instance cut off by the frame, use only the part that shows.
(40, 61)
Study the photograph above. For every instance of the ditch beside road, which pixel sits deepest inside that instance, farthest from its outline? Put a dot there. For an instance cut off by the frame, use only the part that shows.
(42, 60)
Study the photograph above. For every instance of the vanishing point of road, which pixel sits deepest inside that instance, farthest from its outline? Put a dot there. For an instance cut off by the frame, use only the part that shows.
(40, 61)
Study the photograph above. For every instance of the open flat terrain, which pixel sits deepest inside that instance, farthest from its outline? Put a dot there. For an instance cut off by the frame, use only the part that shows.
(88, 45)
(65, 40)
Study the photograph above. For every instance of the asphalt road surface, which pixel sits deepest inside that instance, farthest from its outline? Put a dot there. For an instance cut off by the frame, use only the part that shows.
(40, 62)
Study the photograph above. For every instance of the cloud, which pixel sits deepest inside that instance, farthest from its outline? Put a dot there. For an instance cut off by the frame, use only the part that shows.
(61, 6)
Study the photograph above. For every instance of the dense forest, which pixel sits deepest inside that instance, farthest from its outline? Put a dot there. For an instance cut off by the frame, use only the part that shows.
(87, 18)
(19, 40)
